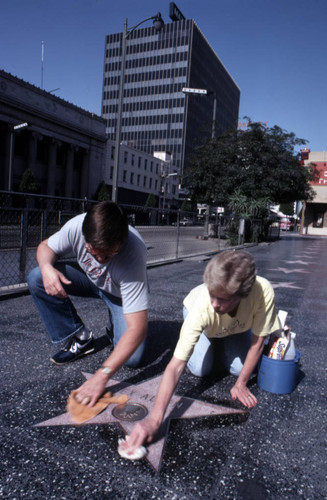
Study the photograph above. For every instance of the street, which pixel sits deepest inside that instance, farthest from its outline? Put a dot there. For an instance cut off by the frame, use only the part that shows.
(277, 450)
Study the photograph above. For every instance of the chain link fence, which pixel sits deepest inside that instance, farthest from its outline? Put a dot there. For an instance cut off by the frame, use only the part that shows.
(26, 220)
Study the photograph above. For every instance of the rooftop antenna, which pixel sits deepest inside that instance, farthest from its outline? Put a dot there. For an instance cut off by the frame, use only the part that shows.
(42, 59)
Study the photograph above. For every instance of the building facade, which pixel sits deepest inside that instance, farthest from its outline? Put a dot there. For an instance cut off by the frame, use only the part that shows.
(141, 174)
(157, 116)
(314, 213)
(63, 145)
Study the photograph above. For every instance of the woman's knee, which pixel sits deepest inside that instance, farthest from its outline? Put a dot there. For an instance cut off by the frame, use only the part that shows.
(201, 368)
(235, 367)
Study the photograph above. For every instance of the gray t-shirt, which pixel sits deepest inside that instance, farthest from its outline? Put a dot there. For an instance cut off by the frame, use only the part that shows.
(124, 276)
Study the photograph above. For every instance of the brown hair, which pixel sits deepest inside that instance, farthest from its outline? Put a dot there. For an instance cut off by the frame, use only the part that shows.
(233, 271)
(105, 225)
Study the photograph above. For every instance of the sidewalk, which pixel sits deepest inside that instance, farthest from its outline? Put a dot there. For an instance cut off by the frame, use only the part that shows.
(277, 450)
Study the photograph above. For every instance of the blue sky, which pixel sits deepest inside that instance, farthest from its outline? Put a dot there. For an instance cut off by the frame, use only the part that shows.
(274, 49)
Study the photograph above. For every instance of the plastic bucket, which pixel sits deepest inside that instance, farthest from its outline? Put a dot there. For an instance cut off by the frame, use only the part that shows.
(278, 376)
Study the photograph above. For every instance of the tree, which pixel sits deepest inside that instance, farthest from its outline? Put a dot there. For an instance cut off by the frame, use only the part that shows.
(151, 201)
(102, 193)
(260, 163)
(27, 183)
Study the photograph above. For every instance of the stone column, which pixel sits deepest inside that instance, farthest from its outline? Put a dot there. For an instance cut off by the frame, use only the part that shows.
(84, 180)
(52, 163)
(69, 171)
(32, 144)
(4, 182)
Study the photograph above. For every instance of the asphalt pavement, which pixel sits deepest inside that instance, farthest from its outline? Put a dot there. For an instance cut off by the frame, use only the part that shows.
(275, 451)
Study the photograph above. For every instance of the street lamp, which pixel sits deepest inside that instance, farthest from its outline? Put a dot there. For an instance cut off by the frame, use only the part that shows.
(158, 24)
(11, 150)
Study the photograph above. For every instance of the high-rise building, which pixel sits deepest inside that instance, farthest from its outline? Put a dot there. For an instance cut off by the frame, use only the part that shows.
(157, 116)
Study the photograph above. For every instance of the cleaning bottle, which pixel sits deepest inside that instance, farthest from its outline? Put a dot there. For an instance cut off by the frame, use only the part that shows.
(290, 352)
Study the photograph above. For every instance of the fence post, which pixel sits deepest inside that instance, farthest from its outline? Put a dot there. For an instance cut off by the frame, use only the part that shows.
(22, 262)
(44, 224)
(219, 230)
(178, 232)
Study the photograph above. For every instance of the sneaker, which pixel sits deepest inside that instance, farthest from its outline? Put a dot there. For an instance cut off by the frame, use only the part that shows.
(74, 349)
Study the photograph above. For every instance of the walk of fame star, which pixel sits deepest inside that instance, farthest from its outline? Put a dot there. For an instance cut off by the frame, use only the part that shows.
(145, 393)
(285, 284)
(288, 271)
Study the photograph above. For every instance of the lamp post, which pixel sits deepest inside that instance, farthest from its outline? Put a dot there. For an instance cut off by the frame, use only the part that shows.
(11, 150)
(205, 92)
(158, 24)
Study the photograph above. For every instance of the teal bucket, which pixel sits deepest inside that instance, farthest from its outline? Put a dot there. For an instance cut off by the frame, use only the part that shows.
(278, 376)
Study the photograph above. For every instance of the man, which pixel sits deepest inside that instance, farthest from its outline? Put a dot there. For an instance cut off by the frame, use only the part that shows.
(232, 304)
(111, 265)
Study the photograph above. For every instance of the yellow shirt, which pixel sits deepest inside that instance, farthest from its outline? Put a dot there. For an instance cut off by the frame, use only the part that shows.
(256, 311)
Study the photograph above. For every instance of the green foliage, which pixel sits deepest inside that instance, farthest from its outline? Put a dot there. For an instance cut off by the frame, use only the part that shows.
(151, 201)
(102, 193)
(260, 163)
(186, 206)
(28, 183)
(287, 208)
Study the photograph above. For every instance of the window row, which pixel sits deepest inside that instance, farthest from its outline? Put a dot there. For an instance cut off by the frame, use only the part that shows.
(146, 90)
(147, 76)
(148, 120)
(161, 42)
(173, 105)
(170, 29)
(155, 60)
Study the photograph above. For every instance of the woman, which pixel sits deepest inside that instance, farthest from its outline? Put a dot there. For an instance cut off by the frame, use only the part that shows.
(232, 304)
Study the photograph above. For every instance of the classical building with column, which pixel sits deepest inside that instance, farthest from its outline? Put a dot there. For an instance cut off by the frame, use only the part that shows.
(63, 145)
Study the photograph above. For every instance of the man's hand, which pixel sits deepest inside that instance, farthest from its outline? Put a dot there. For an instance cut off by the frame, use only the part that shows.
(52, 278)
(52, 281)
(92, 389)
(243, 394)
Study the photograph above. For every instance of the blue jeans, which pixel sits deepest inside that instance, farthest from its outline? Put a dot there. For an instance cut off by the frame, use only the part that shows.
(60, 316)
(235, 349)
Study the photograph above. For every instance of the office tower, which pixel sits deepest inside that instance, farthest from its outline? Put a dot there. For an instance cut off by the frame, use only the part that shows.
(157, 116)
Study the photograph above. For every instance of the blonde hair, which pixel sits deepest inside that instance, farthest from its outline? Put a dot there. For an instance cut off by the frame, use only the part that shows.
(232, 271)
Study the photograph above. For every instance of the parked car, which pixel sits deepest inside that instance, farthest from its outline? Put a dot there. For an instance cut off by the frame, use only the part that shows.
(287, 224)
(186, 221)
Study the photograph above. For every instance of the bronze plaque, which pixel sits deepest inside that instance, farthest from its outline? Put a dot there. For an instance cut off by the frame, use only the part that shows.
(130, 412)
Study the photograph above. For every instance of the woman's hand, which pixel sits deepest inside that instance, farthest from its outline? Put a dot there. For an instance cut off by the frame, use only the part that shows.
(244, 395)
(143, 432)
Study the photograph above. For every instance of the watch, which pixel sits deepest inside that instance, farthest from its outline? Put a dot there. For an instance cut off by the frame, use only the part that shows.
(106, 370)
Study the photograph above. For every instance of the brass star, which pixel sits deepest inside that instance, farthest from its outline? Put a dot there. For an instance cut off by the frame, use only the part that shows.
(145, 393)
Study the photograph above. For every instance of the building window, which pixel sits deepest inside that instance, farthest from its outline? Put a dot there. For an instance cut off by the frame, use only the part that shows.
(318, 220)
(125, 156)
(132, 177)
(125, 176)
